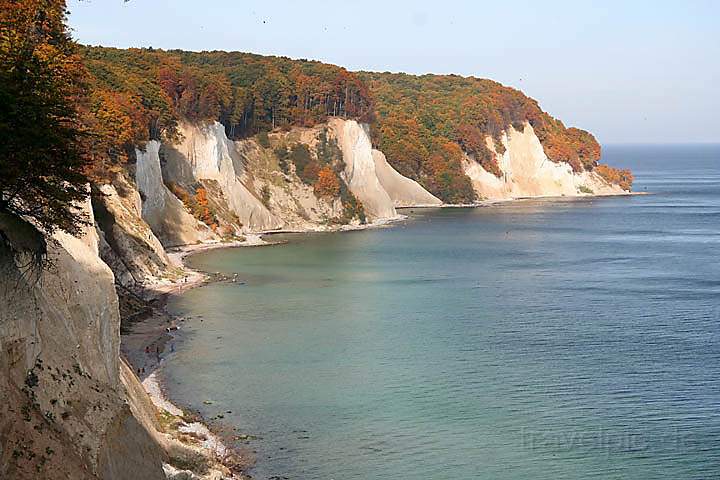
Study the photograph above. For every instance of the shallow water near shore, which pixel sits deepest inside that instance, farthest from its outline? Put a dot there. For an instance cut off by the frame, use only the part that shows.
(538, 339)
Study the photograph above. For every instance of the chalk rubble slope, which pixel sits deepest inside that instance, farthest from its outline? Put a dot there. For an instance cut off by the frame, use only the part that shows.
(403, 191)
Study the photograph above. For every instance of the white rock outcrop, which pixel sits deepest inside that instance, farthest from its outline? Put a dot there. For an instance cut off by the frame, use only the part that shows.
(205, 153)
(161, 209)
(371, 178)
(527, 172)
(127, 244)
(360, 174)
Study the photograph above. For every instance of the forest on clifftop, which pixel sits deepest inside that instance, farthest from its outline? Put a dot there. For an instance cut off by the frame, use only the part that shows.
(424, 124)
(103, 102)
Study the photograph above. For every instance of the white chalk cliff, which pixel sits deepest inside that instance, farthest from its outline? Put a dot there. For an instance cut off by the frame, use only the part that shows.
(161, 209)
(247, 191)
(527, 172)
(289, 198)
(65, 408)
(205, 153)
(370, 177)
(127, 244)
(360, 174)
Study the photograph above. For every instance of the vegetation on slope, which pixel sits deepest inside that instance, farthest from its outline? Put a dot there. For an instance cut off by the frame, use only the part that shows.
(322, 169)
(247, 93)
(424, 124)
(421, 118)
(622, 177)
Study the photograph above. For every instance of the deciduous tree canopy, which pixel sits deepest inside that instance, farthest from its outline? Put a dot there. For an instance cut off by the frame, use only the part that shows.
(416, 119)
(43, 152)
(247, 93)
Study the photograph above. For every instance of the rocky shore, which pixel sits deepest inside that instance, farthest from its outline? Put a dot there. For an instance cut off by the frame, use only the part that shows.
(147, 341)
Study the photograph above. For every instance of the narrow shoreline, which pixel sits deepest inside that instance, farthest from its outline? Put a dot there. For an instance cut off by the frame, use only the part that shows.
(145, 342)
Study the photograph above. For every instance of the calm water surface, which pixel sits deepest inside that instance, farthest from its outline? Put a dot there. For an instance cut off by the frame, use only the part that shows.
(546, 340)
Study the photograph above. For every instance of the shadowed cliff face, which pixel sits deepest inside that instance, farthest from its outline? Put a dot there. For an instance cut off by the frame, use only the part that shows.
(161, 209)
(64, 410)
(127, 243)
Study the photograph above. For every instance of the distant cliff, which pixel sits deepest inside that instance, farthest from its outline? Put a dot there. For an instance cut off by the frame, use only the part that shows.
(429, 125)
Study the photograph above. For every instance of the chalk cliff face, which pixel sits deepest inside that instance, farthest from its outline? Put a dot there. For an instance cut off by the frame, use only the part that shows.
(162, 210)
(360, 173)
(126, 242)
(64, 409)
(403, 191)
(205, 153)
(288, 198)
(246, 190)
(527, 172)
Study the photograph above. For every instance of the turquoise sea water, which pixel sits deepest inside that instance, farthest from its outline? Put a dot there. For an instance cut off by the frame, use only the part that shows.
(567, 339)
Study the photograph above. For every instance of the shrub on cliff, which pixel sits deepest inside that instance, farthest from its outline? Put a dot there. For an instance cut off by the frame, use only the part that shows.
(327, 184)
(197, 203)
(306, 167)
(621, 177)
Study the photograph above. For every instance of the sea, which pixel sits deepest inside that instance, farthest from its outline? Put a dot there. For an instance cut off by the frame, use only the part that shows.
(539, 339)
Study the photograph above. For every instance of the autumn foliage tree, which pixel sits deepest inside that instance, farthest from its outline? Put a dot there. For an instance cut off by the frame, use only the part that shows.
(43, 161)
(327, 184)
(197, 203)
(201, 209)
(247, 93)
(412, 117)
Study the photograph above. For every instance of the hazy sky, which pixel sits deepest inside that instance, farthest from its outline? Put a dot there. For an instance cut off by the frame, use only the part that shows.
(630, 71)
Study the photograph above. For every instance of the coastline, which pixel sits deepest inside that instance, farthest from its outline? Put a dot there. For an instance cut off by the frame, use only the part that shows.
(144, 344)
(145, 340)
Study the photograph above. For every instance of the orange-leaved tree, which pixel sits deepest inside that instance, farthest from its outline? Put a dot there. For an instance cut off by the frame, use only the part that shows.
(327, 184)
(43, 163)
(621, 177)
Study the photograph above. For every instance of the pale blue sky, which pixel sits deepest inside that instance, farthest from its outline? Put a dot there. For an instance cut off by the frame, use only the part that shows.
(630, 71)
